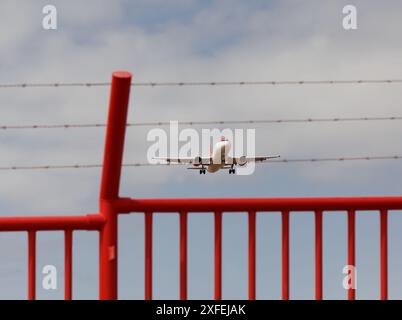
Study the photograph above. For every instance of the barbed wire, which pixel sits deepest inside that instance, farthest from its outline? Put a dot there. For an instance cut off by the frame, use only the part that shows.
(196, 123)
(199, 83)
(147, 164)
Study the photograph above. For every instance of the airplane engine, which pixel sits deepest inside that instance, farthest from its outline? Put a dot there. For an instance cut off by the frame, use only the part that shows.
(242, 161)
(197, 161)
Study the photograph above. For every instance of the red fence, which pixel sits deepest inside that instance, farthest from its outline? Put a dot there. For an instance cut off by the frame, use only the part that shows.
(111, 204)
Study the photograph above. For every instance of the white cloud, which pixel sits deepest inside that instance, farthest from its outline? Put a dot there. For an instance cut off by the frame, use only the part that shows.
(218, 42)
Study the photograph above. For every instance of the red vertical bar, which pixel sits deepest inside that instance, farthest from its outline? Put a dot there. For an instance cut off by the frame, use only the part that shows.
(351, 250)
(111, 171)
(148, 255)
(183, 255)
(218, 255)
(318, 255)
(285, 255)
(108, 254)
(115, 134)
(68, 268)
(384, 254)
(31, 265)
(251, 255)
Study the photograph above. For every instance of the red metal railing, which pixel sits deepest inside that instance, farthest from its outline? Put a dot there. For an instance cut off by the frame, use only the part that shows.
(111, 204)
(32, 225)
(286, 206)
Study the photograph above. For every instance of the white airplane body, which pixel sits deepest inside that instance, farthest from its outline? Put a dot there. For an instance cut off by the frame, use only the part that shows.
(219, 159)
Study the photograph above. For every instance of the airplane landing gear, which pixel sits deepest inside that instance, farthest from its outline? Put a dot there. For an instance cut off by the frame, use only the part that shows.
(232, 170)
(203, 171)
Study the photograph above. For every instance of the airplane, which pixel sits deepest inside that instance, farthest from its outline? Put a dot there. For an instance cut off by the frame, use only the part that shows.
(217, 159)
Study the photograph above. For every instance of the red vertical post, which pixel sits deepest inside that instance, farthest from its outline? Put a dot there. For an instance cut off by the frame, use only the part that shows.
(148, 255)
(251, 255)
(111, 171)
(31, 265)
(218, 255)
(115, 135)
(384, 254)
(68, 268)
(183, 255)
(351, 252)
(318, 255)
(285, 255)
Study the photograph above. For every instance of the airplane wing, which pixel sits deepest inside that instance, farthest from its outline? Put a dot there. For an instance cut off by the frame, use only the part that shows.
(243, 160)
(205, 161)
(184, 160)
(261, 159)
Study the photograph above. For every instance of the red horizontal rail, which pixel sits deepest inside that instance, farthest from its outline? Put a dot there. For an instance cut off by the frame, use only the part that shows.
(127, 205)
(87, 222)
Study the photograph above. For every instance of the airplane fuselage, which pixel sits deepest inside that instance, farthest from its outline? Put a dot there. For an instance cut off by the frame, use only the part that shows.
(219, 154)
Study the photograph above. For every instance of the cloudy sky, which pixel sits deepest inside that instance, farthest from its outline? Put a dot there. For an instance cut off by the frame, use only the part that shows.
(188, 40)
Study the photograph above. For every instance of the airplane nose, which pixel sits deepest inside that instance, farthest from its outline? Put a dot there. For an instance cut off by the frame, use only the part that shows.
(227, 145)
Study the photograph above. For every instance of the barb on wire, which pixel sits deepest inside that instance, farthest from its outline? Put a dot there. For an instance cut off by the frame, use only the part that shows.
(199, 83)
(146, 164)
(196, 123)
